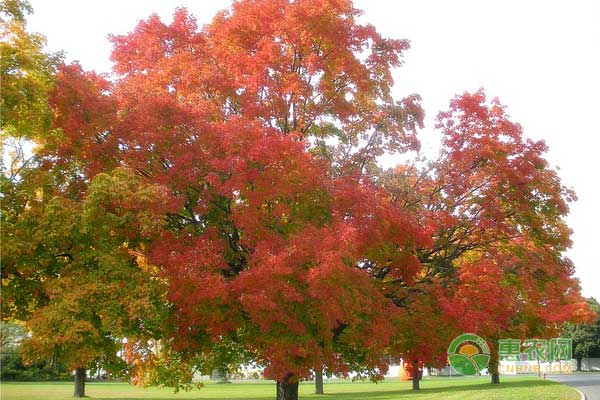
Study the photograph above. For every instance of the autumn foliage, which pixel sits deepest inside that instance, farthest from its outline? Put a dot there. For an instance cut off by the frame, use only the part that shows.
(495, 212)
(224, 181)
(261, 238)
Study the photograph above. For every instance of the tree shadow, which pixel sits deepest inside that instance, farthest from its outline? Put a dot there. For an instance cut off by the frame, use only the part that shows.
(199, 397)
(424, 391)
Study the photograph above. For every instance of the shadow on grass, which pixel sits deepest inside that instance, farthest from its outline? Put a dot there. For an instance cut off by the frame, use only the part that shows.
(424, 391)
(373, 395)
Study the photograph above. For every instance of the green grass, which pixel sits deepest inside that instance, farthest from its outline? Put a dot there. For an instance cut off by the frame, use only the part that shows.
(528, 388)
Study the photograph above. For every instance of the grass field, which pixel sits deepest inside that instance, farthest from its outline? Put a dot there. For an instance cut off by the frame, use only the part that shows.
(433, 388)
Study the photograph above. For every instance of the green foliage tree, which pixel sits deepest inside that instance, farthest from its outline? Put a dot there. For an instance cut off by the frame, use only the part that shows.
(27, 77)
(10, 337)
(586, 337)
(72, 272)
(27, 73)
(12, 366)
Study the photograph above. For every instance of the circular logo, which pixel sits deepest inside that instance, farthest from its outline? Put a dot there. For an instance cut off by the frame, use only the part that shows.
(468, 354)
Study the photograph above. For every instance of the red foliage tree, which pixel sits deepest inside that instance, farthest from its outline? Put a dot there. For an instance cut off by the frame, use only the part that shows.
(264, 245)
(495, 210)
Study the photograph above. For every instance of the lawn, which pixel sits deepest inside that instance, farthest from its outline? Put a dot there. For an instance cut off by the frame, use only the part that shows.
(433, 388)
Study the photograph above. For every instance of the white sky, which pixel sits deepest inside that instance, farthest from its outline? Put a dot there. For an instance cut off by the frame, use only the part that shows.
(541, 58)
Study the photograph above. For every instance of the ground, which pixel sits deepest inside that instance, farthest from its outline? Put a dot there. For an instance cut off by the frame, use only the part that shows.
(529, 388)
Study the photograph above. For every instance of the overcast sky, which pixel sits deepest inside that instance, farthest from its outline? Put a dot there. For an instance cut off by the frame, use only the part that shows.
(541, 58)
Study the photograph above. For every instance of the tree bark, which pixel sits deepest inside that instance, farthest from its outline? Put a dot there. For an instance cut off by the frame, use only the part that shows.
(415, 375)
(287, 390)
(493, 367)
(319, 381)
(579, 364)
(495, 378)
(79, 383)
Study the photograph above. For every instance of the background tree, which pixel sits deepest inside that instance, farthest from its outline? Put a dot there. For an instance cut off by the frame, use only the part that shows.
(586, 337)
(12, 366)
(10, 337)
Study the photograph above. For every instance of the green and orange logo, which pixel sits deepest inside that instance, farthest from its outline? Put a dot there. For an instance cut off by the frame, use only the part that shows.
(468, 354)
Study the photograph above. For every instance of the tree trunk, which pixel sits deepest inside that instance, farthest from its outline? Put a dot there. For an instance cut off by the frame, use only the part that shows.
(415, 375)
(493, 367)
(319, 381)
(287, 390)
(495, 378)
(224, 377)
(79, 383)
(579, 364)
(220, 375)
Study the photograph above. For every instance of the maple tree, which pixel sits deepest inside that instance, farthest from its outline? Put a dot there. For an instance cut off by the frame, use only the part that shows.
(70, 269)
(255, 221)
(495, 211)
(72, 272)
(307, 68)
(26, 72)
(252, 239)
(27, 75)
